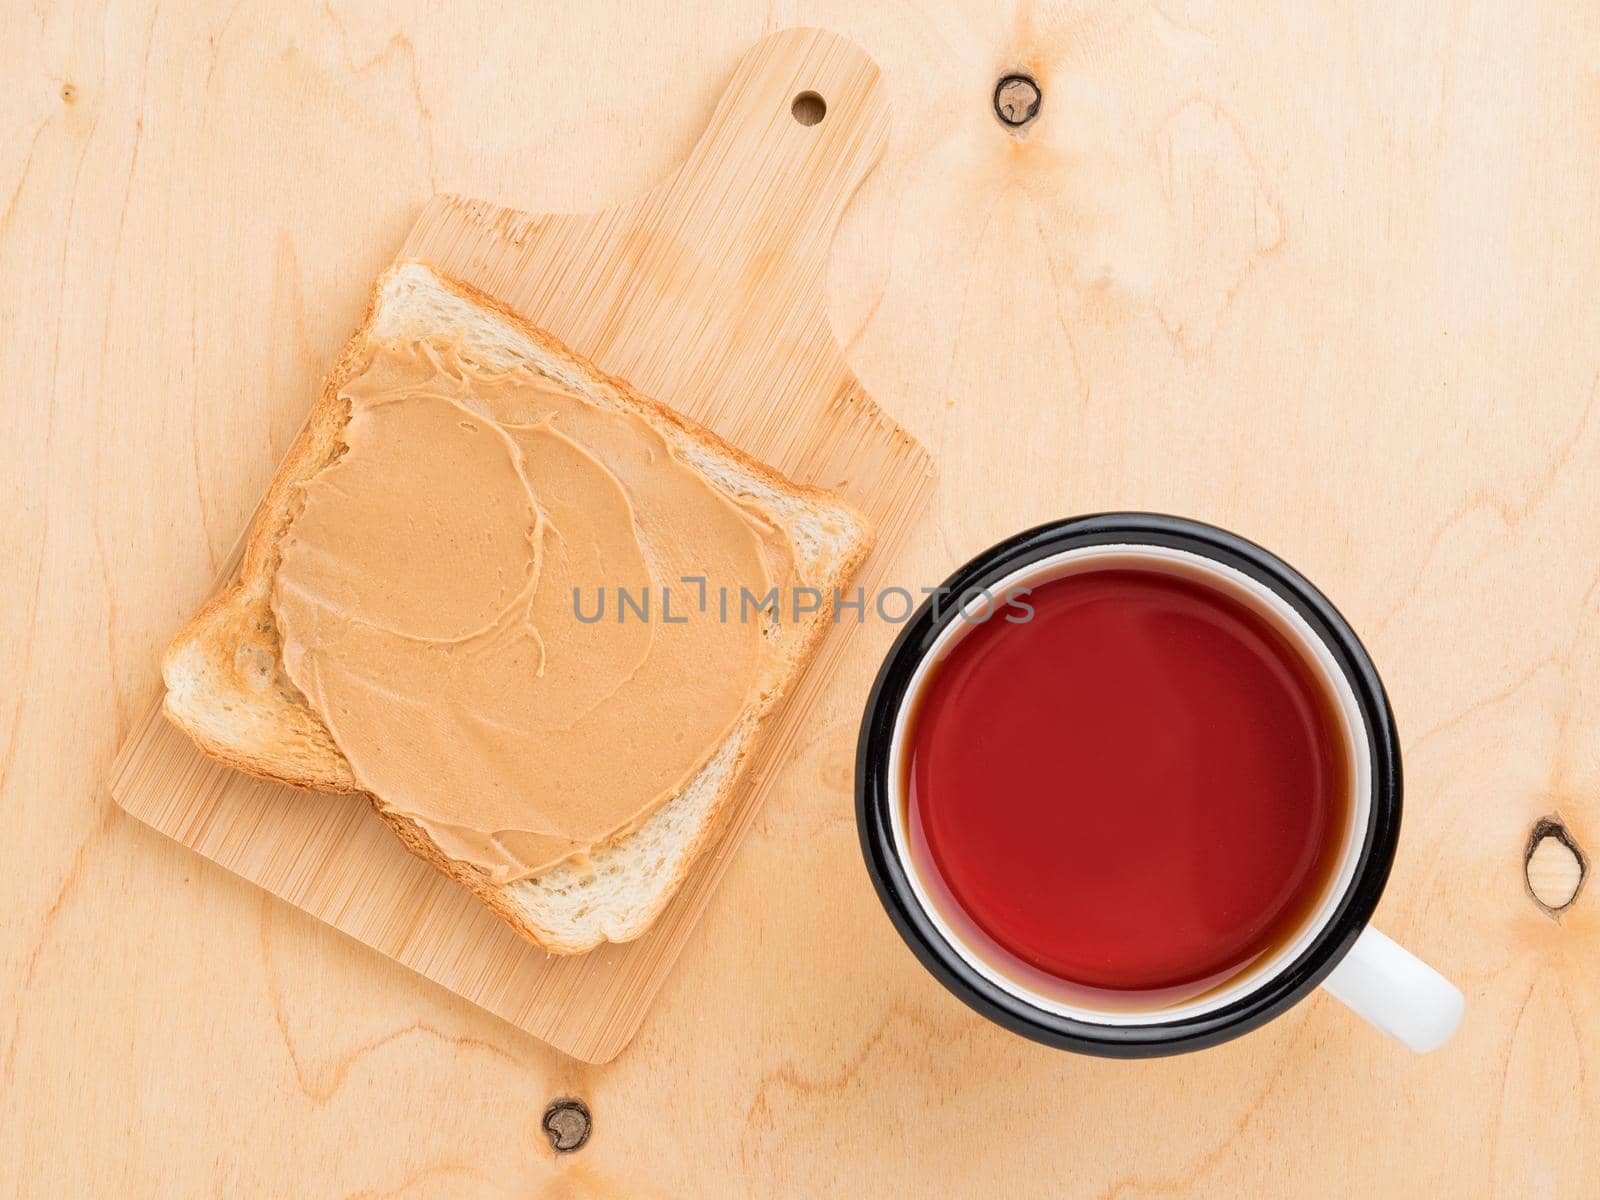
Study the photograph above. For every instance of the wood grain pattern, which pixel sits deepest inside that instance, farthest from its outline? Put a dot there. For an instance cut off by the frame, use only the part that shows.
(1326, 273)
(706, 293)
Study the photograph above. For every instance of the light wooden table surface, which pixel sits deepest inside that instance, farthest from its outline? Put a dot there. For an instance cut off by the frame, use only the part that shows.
(1328, 275)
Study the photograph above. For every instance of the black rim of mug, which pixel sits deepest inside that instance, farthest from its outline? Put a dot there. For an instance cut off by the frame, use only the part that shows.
(875, 795)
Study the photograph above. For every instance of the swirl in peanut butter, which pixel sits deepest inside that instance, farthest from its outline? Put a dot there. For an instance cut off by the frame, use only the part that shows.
(425, 602)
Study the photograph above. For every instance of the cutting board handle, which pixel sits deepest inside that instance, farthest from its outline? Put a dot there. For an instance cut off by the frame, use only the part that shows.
(761, 176)
(709, 290)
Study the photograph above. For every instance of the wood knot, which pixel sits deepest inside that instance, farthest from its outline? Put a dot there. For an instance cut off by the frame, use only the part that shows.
(69, 93)
(567, 1123)
(1016, 100)
(1554, 866)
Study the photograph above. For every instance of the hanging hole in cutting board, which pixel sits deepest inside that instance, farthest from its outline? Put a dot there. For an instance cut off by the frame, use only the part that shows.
(809, 108)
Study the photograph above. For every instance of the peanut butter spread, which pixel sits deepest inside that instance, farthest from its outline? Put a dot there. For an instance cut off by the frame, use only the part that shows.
(429, 597)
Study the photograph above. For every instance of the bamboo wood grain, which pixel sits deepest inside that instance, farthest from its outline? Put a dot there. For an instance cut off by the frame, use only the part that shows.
(706, 293)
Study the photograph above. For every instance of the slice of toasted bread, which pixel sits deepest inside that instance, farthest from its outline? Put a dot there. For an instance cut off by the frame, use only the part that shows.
(226, 685)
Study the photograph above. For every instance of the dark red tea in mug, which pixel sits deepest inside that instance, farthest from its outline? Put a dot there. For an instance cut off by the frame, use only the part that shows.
(1129, 798)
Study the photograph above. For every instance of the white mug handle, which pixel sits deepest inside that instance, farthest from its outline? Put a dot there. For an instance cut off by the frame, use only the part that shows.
(1386, 985)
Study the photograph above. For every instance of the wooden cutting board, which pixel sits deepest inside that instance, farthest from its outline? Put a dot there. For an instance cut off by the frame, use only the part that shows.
(707, 293)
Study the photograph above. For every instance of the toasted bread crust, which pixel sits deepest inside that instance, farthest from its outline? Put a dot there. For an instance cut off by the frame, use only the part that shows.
(238, 622)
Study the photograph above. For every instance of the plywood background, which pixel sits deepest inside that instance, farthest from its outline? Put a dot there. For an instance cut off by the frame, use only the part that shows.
(1328, 274)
